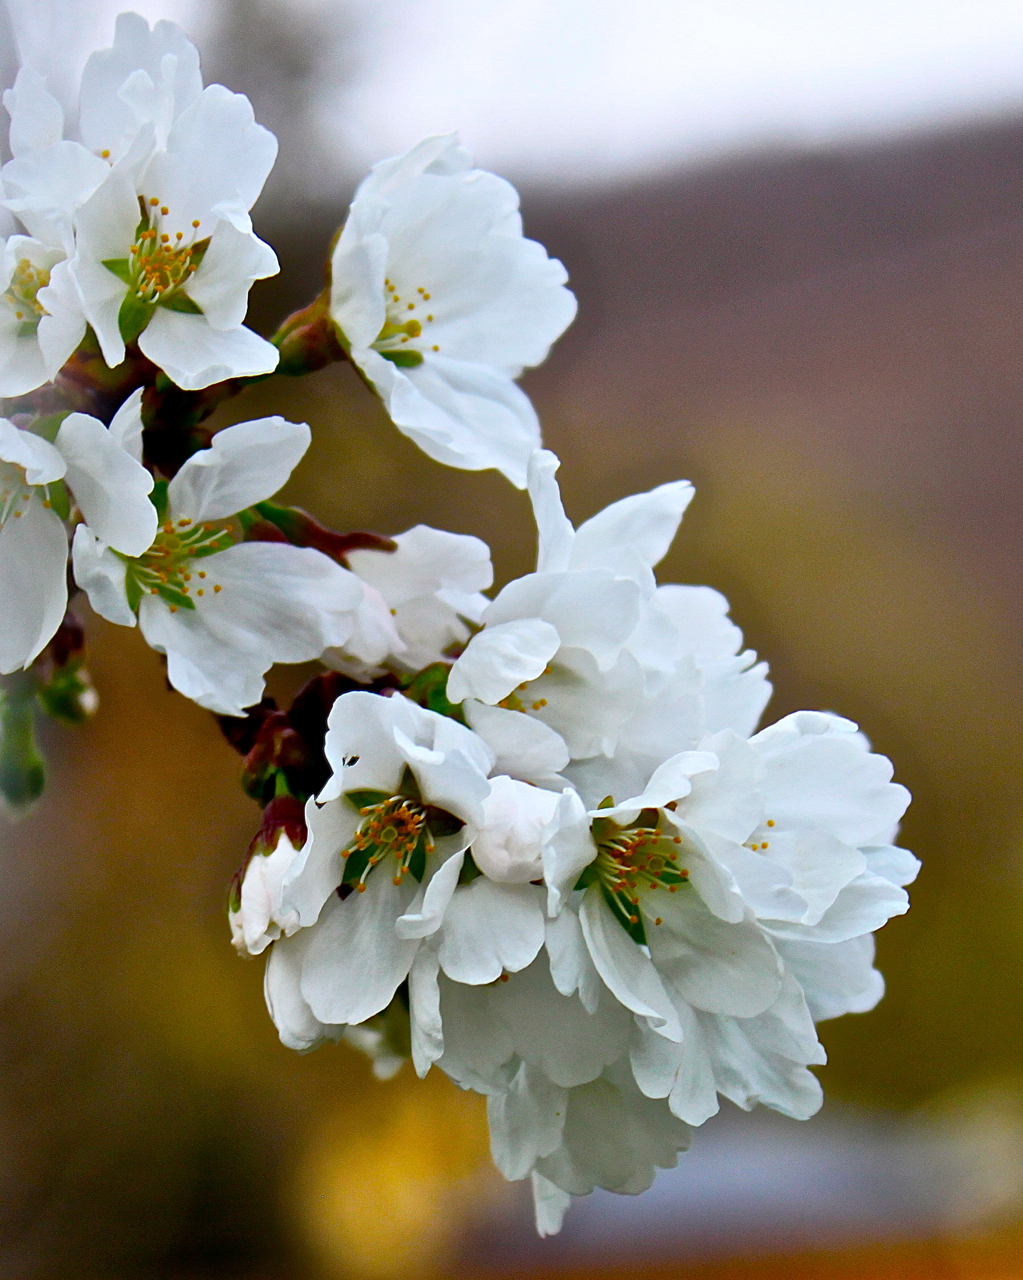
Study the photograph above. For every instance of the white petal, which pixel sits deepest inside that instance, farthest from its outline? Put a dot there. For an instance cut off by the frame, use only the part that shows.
(297, 1025)
(572, 968)
(37, 120)
(559, 1036)
(278, 603)
(126, 425)
(101, 575)
(555, 534)
(44, 188)
(427, 560)
(568, 848)
(110, 487)
(644, 523)
(500, 658)
(171, 63)
(626, 970)
(459, 413)
(864, 905)
(317, 869)
(41, 462)
(194, 355)
(714, 965)
(425, 914)
(550, 1204)
(244, 464)
(216, 161)
(523, 747)
(836, 977)
(424, 1011)
(526, 1122)
(63, 327)
(509, 844)
(232, 262)
(105, 228)
(490, 929)
(33, 582)
(355, 960)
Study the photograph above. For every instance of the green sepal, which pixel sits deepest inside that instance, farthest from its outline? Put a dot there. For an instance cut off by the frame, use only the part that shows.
(121, 267)
(47, 425)
(28, 328)
(635, 929)
(173, 596)
(429, 688)
(470, 871)
(443, 823)
(132, 589)
(403, 359)
(222, 541)
(409, 786)
(586, 876)
(133, 316)
(58, 498)
(607, 803)
(158, 497)
(417, 863)
(182, 302)
(360, 800)
(356, 863)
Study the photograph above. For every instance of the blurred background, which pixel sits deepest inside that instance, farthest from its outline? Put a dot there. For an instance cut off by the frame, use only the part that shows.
(795, 228)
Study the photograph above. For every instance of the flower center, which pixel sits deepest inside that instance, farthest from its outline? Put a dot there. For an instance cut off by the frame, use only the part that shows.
(14, 491)
(631, 859)
(166, 569)
(160, 262)
(402, 327)
(21, 293)
(397, 827)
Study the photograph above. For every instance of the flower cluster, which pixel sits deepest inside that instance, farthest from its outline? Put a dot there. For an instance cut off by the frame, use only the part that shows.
(534, 839)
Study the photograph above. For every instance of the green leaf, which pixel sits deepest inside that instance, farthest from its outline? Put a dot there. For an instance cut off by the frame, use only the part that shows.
(181, 302)
(403, 359)
(360, 800)
(133, 316)
(121, 267)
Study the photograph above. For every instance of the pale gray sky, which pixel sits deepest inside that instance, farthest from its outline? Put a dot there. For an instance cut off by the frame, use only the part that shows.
(590, 90)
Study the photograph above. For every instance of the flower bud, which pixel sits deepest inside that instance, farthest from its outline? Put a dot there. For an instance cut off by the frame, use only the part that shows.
(255, 910)
(509, 845)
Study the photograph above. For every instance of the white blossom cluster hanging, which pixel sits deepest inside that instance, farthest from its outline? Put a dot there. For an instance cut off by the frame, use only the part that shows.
(534, 839)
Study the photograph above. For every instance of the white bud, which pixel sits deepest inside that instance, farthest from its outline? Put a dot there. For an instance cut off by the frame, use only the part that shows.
(509, 845)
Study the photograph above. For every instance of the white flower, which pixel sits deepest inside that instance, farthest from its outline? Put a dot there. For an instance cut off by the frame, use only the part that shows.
(604, 1133)
(41, 320)
(177, 278)
(429, 590)
(147, 78)
(406, 793)
(224, 610)
(442, 303)
(257, 919)
(108, 486)
(592, 647)
(515, 817)
(732, 859)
